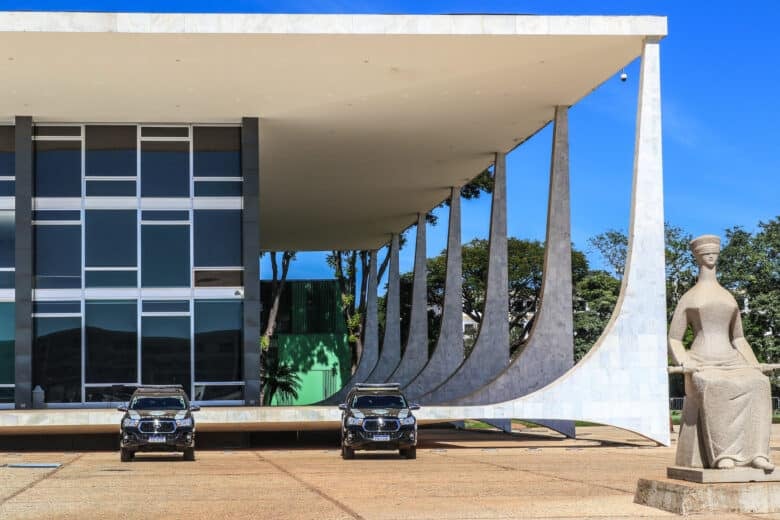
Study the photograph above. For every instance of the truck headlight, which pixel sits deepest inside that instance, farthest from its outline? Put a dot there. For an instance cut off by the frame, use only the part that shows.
(406, 421)
(127, 422)
(184, 422)
(354, 421)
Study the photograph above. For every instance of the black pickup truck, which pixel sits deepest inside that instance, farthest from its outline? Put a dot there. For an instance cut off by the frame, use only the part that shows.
(157, 418)
(378, 417)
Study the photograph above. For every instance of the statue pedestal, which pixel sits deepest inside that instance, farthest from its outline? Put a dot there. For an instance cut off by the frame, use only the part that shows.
(694, 490)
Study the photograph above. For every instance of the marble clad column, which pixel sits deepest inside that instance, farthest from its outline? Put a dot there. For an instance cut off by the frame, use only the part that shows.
(23, 254)
(390, 355)
(370, 354)
(549, 351)
(250, 239)
(490, 354)
(416, 352)
(622, 381)
(448, 353)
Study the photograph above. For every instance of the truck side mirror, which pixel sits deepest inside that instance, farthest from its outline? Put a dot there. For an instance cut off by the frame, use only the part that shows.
(194, 408)
(343, 407)
(122, 408)
(414, 407)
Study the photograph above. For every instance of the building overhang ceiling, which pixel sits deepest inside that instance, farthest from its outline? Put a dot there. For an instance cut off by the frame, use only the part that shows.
(365, 120)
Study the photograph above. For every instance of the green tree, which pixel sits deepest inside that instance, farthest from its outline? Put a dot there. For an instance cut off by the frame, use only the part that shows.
(525, 264)
(681, 268)
(749, 267)
(595, 297)
(277, 378)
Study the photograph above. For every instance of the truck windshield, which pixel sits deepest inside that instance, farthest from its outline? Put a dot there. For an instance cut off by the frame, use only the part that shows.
(378, 401)
(158, 403)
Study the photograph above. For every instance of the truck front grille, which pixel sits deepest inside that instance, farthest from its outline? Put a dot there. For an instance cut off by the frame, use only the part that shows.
(157, 426)
(381, 425)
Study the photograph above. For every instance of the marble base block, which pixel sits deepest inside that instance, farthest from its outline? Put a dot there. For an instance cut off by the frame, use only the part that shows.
(720, 476)
(684, 498)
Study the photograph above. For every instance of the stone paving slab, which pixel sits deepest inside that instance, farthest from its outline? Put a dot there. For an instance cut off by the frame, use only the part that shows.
(457, 475)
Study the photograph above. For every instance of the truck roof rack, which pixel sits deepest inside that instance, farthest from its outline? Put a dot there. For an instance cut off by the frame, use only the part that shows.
(374, 386)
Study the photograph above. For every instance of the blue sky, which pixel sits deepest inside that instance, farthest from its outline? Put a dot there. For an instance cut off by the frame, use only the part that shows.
(720, 118)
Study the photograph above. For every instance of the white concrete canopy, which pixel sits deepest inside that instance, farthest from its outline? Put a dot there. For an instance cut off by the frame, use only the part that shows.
(366, 120)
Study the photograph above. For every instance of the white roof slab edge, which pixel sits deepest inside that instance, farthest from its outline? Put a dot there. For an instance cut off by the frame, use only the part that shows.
(182, 23)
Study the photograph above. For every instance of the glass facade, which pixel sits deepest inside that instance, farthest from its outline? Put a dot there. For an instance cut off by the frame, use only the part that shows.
(136, 282)
(111, 339)
(57, 357)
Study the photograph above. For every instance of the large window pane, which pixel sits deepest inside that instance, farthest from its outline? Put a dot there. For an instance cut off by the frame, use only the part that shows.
(165, 256)
(110, 151)
(7, 333)
(57, 358)
(111, 238)
(165, 351)
(7, 149)
(217, 151)
(106, 188)
(57, 257)
(165, 169)
(218, 330)
(7, 243)
(217, 238)
(57, 169)
(111, 341)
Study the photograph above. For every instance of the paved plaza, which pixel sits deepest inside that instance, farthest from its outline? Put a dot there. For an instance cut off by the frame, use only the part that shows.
(531, 474)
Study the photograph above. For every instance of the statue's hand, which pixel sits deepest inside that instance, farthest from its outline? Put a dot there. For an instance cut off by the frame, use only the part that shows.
(690, 366)
(766, 368)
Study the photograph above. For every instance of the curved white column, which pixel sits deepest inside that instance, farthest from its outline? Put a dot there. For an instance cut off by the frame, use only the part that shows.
(622, 381)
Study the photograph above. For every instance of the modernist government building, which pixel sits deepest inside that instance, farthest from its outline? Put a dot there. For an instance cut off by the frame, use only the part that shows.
(146, 161)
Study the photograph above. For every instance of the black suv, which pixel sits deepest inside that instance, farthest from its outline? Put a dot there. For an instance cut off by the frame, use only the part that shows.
(157, 418)
(377, 417)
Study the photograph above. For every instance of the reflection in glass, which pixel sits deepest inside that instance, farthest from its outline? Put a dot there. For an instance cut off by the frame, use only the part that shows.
(165, 169)
(6, 395)
(217, 238)
(7, 280)
(57, 168)
(111, 189)
(165, 351)
(218, 189)
(218, 331)
(212, 278)
(165, 256)
(108, 394)
(57, 358)
(7, 149)
(57, 307)
(111, 278)
(57, 251)
(111, 341)
(217, 151)
(7, 334)
(166, 306)
(156, 215)
(56, 131)
(218, 393)
(110, 238)
(111, 151)
(164, 131)
(7, 243)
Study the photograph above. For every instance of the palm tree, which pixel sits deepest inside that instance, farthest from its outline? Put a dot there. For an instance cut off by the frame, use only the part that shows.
(278, 378)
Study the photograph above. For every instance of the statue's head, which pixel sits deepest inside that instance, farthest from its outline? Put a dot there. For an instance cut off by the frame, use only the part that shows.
(706, 249)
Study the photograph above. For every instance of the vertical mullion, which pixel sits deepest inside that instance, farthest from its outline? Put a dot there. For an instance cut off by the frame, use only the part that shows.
(83, 262)
(190, 131)
(139, 229)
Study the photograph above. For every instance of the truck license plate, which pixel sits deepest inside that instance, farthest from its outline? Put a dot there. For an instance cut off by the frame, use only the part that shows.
(381, 437)
(157, 438)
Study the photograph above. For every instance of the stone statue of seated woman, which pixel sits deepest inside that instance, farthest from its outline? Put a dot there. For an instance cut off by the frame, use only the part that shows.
(727, 415)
